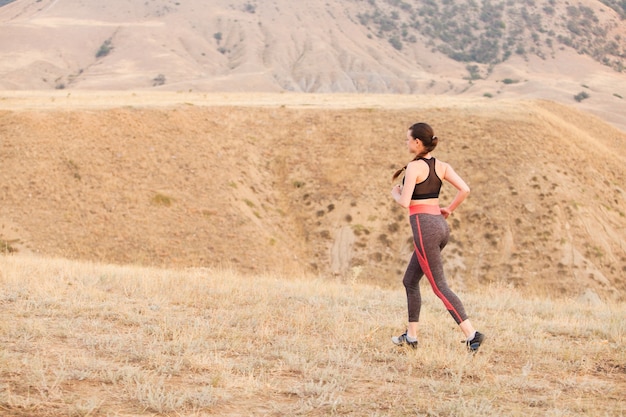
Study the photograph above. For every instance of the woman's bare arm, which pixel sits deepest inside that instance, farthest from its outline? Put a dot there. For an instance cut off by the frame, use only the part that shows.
(463, 190)
(401, 194)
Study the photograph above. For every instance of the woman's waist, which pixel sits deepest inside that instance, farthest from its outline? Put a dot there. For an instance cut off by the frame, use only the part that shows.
(430, 201)
(424, 208)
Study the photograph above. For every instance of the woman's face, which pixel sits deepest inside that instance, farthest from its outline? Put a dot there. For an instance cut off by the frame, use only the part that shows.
(413, 145)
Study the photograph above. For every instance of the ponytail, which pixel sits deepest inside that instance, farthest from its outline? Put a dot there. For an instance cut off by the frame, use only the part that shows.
(426, 135)
(397, 173)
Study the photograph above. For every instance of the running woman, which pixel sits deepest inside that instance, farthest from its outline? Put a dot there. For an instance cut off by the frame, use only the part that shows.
(419, 193)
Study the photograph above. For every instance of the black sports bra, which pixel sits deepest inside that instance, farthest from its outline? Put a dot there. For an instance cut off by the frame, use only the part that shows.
(430, 187)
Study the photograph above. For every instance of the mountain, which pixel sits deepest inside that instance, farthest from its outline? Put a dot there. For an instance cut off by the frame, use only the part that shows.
(529, 49)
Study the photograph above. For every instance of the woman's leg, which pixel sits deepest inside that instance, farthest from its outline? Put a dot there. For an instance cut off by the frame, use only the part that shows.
(467, 329)
(431, 233)
(411, 281)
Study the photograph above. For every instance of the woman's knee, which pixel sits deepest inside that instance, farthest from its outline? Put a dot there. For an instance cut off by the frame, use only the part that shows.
(410, 285)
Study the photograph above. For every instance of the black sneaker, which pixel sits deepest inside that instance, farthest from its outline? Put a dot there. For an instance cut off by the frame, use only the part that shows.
(401, 340)
(474, 344)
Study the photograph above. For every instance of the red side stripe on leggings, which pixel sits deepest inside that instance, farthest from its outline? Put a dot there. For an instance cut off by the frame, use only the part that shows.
(423, 261)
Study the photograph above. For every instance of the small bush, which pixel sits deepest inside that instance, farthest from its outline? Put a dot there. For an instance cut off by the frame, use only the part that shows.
(105, 49)
(162, 200)
(395, 42)
(158, 80)
(581, 96)
(5, 247)
(474, 72)
(359, 229)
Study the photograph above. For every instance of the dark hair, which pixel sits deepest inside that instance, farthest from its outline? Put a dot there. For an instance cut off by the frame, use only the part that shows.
(424, 133)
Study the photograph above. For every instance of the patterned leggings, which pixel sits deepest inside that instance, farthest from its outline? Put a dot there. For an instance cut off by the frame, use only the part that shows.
(430, 235)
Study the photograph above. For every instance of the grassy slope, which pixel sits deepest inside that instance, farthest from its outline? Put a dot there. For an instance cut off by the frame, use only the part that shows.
(294, 184)
(92, 339)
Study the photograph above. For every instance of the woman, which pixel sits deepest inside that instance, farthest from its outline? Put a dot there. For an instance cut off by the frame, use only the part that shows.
(420, 194)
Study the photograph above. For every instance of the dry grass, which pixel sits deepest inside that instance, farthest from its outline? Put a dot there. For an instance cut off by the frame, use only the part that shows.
(273, 183)
(85, 339)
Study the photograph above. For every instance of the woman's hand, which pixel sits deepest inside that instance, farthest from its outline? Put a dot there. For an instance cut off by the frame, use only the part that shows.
(396, 191)
(445, 212)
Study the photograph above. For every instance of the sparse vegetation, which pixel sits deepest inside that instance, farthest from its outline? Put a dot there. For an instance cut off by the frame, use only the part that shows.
(396, 43)
(359, 229)
(90, 339)
(158, 80)
(74, 169)
(488, 32)
(7, 246)
(618, 6)
(249, 8)
(393, 227)
(474, 72)
(162, 200)
(105, 49)
(206, 154)
(581, 96)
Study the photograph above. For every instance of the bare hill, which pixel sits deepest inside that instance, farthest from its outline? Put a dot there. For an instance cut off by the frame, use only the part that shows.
(289, 182)
(537, 49)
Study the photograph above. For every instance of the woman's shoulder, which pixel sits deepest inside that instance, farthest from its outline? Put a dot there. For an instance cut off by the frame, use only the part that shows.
(441, 167)
(420, 162)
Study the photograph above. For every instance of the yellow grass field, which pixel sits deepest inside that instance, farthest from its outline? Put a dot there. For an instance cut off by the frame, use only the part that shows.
(86, 339)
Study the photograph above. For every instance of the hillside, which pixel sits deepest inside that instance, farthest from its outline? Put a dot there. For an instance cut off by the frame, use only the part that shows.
(537, 49)
(288, 183)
